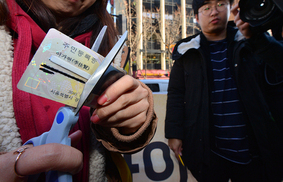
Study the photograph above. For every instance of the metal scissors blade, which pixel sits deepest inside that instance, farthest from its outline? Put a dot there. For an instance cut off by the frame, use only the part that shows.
(92, 81)
(99, 38)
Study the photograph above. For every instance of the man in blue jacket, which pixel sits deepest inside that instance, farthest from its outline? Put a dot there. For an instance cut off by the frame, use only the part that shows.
(217, 116)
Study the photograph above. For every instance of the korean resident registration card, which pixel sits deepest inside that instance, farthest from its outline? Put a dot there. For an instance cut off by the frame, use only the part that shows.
(59, 69)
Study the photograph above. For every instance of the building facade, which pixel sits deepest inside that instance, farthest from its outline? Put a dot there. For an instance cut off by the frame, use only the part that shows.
(154, 27)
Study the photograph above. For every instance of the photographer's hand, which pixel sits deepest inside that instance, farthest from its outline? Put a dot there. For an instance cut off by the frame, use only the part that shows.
(244, 27)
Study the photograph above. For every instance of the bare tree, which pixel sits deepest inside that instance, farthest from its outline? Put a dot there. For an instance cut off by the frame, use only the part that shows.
(132, 42)
(172, 31)
(148, 30)
(193, 28)
(134, 37)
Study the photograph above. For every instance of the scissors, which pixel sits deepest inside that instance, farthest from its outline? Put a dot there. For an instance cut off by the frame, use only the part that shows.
(66, 117)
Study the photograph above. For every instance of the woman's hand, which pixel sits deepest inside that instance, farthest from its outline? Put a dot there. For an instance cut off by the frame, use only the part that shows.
(244, 27)
(42, 158)
(123, 105)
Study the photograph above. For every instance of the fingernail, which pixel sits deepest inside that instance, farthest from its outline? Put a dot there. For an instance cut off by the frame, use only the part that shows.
(102, 99)
(94, 118)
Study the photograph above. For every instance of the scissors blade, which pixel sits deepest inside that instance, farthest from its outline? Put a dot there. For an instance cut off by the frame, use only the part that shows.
(99, 38)
(92, 81)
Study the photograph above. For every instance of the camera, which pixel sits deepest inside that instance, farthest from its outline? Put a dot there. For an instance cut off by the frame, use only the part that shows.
(262, 15)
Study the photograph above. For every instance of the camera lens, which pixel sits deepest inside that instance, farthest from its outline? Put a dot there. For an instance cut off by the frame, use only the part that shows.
(261, 14)
(260, 10)
(261, 6)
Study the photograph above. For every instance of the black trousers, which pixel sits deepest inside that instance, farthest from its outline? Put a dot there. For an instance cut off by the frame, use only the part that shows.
(221, 170)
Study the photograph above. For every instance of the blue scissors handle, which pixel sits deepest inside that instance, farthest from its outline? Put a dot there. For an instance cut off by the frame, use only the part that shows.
(62, 124)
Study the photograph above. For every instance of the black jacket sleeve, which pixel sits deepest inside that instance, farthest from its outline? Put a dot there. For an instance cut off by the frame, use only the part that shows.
(175, 102)
(269, 50)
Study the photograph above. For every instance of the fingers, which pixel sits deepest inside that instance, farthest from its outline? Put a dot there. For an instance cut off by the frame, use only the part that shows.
(118, 88)
(176, 146)
(242, 26)
(236, 14)
(76, 137)
(39, 159)
(125, 108)
(48, 157)
(234, 9)
(128, 119)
